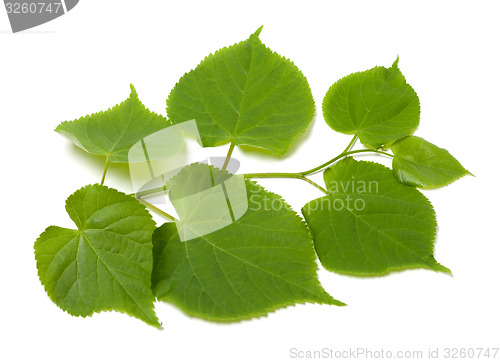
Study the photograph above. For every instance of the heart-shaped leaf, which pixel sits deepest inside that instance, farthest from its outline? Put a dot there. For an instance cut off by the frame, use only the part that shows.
(377, 105)
(113, 132)
(106, 263)
(245, 94)
(262, 261)
(371, 224)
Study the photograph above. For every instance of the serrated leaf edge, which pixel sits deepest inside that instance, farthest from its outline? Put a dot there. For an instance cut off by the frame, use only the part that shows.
(60, 128)
(437, 267)
(158, 323)
(230, 138)
(395, 66)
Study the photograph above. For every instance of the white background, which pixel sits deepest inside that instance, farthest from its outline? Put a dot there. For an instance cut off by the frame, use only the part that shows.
(84, 61)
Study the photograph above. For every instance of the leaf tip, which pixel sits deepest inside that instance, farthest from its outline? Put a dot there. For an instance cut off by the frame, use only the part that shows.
(133, 92)
(155, 323)
(257, 32)
(338, 303)
(441, 268)
(395, 64)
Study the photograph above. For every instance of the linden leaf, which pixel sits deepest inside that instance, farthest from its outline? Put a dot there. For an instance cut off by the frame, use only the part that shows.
(377, 105)
(113, 132)
(106, 263)
(371, 224)
(245, 94)
(420, 163)
(262, 261)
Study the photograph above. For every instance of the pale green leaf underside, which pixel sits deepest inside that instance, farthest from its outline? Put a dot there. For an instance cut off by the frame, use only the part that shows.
(371, 224)
(244, 94)
(113, 132)
(263, 261)
(377, 105)
(420, 163)
(104, 265)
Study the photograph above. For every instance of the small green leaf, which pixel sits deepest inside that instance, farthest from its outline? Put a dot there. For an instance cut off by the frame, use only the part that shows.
(377, 105)
(420, 163)
(371, 224)
(245, 94)
(106, 263)
(262, 261)
(113, 132)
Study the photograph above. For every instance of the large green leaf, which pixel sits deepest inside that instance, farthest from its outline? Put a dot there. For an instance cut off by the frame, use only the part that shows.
(377, 105)
(370, 224)
(245, 94)
(106, 263)
(113, 132)
(262, 261)
(420, 163)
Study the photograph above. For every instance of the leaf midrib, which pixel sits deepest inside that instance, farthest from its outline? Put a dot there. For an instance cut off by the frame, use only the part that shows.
(82, 233)
(357, 217)
(432, 167)
(257, 267)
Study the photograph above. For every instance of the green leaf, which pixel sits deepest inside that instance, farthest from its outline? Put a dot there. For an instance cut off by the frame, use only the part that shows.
(113, 132)
(377, 105)
(245, 94)
(106, 263)
(420, 163)
(262, 261)
(371, 224)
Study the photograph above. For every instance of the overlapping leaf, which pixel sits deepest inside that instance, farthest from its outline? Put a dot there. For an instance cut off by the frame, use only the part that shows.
(377, 105)
(113, 132)
(420, 163)
(106, 263)
(371, 224)
(262, 261)
(245, 94)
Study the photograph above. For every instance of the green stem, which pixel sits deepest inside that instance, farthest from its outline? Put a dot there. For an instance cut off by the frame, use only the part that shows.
(297, 175)
(349, 146)
(314, 184)
(153, 191)
(105, 169)
(285, 175)
(228, 157)
(157, 210)
(302, 175)
(342, 155)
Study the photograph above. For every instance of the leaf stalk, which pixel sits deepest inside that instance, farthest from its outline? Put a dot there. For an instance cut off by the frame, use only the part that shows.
(228, 157)
(105, 170)
(285, 175)
(156, 209)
